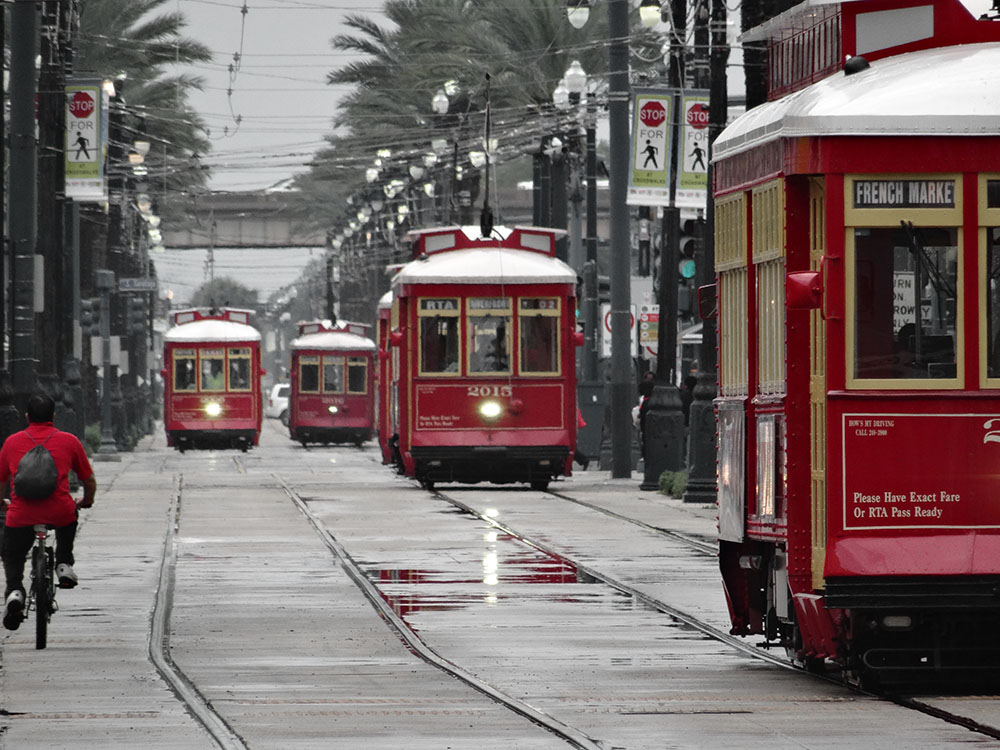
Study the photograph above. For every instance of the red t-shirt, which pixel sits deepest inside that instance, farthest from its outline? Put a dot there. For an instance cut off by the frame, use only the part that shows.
(59, 508)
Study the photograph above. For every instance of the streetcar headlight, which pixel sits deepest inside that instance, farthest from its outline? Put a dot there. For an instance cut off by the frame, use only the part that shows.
(213, 408)
(332, 409)
(490, 409)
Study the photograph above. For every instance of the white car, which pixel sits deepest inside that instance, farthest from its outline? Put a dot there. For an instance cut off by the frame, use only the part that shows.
(277, 403)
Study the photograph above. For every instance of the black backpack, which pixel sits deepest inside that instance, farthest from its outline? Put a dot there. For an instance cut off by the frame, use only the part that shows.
(37, 475)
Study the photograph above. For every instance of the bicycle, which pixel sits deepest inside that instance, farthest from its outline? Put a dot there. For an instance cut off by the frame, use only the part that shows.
(42, 592)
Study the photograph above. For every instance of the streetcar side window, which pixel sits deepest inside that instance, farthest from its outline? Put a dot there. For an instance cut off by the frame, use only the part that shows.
(440, 343)
(357, 375)
(239, 369)
(309, 375)
(184, 370)
(213, 370)
(538, 342)
(906, 282)
(333, 374)
(489, 325)
(993, 300)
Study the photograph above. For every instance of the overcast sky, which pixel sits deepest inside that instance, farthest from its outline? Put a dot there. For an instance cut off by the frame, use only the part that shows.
(279, 89)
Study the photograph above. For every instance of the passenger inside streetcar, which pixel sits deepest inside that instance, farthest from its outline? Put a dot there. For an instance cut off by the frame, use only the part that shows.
(212, 378)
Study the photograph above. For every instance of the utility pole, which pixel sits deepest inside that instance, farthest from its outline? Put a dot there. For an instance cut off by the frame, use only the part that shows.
(621, 360)
(23, 196)
(701, 484)
(663, 424)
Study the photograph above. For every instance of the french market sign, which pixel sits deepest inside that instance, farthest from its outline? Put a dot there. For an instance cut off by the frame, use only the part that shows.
(904, 193)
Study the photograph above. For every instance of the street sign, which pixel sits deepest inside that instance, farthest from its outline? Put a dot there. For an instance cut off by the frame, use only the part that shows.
(137, 285)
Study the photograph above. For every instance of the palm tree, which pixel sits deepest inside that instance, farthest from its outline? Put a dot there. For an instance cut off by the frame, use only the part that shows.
(124, 36)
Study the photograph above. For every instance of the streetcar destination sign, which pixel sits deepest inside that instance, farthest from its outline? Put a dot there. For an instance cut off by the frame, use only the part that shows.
(904, 193)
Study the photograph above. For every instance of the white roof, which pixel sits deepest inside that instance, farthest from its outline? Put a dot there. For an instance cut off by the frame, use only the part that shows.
(944, 91)
(485, 265)
(212, 330)
(385, 301)
(333, 340)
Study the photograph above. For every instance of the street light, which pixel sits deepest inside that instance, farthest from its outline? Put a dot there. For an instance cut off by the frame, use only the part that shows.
(578, 12)
(649, 13)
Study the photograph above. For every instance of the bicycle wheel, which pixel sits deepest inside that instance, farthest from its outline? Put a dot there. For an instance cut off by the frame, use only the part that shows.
(41, 577)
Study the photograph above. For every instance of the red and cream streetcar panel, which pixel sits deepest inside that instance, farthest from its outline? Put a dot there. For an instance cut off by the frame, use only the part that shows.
(332, 399)
(383, 387)
(211, 379)
(483, 360)
(857, 250)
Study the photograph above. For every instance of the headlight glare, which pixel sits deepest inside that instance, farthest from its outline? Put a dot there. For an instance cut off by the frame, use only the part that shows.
(332, 409)
(490, 409)
(213, 408)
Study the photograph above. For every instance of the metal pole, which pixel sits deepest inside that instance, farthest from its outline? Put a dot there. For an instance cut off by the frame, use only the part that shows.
(104, 282)
(701, 484)
(591, 291)
(24, 32)
(621, 360)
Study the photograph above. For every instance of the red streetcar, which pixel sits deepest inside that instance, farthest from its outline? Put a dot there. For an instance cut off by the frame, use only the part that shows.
(383, 403)
(211, 378)
(483, 362)
(333, 386)
(857, 252)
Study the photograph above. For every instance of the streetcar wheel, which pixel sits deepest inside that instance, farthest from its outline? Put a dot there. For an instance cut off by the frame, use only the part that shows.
(43, 591)
(540, 484)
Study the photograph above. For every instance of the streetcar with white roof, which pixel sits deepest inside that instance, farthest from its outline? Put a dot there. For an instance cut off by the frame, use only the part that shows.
(212, 380)
(332, 398)
(482, 338)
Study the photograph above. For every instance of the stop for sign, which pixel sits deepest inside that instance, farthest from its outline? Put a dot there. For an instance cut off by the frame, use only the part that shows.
(652, 114)
(697, 116)
(81, 105)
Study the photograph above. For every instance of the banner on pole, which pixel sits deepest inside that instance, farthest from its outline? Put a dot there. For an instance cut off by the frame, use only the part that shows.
(86, 141)
(692, 168)
(652, 131)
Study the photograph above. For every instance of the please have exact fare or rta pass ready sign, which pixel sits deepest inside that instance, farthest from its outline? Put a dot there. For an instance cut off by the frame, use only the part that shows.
(920, 470)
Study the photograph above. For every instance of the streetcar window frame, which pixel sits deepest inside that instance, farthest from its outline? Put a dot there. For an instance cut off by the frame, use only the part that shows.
(241, 358)
(188, 357)
(352, 366)
(210, 357)
(334, 364)
(989, 264)
(441, 318)
(926, 221)
(485, 317)
(531, 311)
(309, 363)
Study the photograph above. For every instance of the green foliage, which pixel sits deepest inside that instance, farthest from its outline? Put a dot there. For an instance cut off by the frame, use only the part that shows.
(673, 483)
(92, 438)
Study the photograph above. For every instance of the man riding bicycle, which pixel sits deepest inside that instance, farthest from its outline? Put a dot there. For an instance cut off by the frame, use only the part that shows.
(58, 510)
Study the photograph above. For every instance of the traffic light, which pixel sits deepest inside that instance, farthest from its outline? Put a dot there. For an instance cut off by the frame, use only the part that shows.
(90, 316)
(136, 315)
(689, 253)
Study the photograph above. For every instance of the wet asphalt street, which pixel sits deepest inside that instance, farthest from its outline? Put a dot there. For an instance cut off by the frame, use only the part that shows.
(213, 613)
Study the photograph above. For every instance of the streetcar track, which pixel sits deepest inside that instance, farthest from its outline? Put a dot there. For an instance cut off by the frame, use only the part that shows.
(694, 542)
(908, 702)
(416, 644)
(159, 638)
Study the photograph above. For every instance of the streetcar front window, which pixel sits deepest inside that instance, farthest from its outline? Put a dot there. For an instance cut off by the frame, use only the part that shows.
(184, 371)
(993, 288)
(489, 325)
(539, 344)
(239, 369)
(906, 282)
(213, 370)
(438, 344)
(357, 375)
(309, 375)
(333, 374)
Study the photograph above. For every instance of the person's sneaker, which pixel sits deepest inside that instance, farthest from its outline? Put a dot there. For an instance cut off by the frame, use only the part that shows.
(67, 578)
(13, 612)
